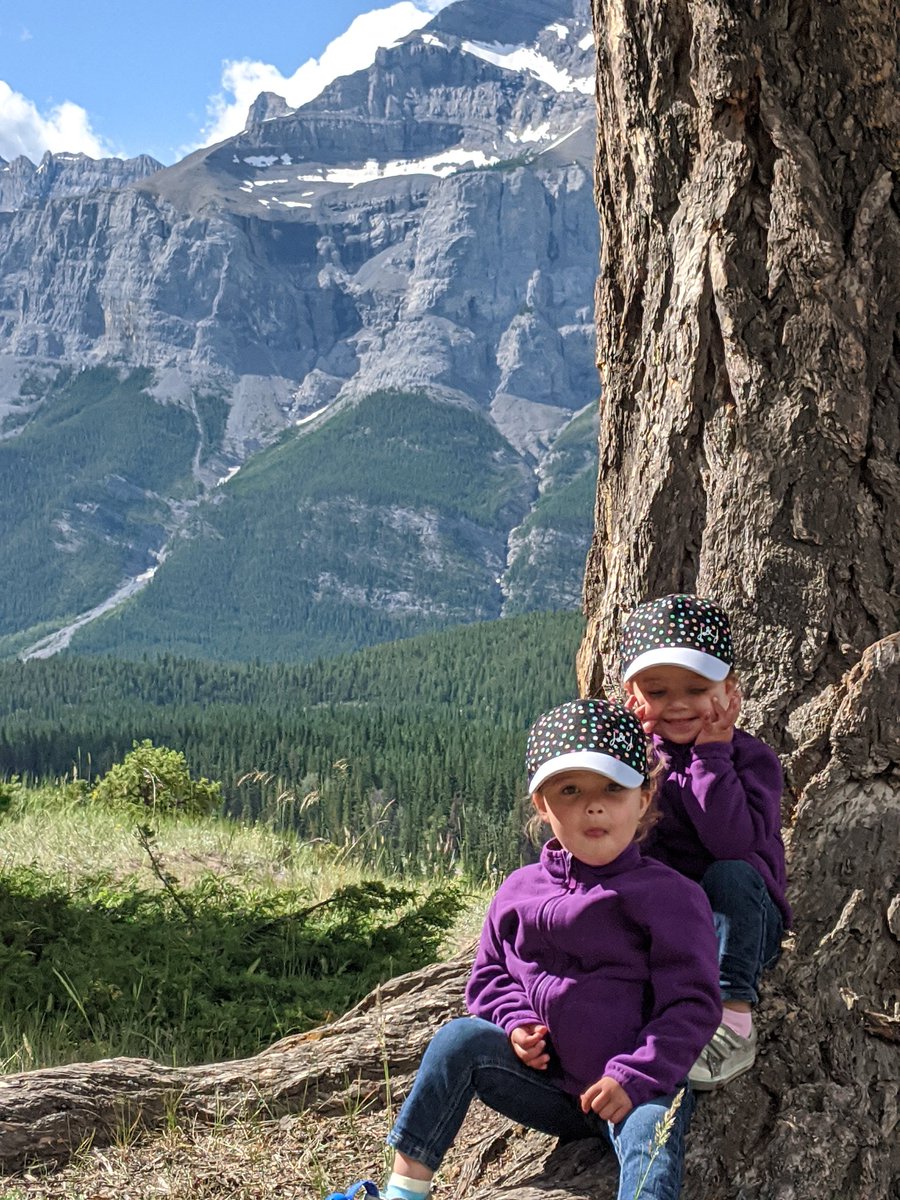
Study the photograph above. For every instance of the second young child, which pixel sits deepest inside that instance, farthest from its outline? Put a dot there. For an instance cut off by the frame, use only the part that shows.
(720, 802)
(595, 984)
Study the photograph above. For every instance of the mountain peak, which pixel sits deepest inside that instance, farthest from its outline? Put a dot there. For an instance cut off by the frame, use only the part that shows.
(266, 107)
(419, 241)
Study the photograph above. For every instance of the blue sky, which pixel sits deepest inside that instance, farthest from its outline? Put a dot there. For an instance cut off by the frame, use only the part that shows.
(161, 78)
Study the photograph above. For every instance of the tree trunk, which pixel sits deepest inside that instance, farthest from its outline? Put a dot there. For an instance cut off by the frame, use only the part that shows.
(747, 334)
(747, 323)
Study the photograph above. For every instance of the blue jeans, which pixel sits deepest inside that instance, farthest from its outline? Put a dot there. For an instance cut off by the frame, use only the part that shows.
(748, 925)
(469, 1057)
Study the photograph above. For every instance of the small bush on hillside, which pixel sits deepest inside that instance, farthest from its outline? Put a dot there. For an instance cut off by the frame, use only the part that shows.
(9, 789)
(156, 778)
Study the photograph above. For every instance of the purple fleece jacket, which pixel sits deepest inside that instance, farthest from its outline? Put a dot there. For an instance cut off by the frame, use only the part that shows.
(722, 800)
(619, 962)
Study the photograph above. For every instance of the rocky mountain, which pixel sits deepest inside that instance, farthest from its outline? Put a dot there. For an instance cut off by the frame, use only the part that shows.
(67, 175)
(422, 228)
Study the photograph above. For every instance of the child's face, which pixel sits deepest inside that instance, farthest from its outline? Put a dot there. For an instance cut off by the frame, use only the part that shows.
(677, 700)
(591, 815)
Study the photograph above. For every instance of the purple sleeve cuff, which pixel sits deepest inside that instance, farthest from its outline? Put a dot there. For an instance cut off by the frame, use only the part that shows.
(511, 1021)
(713, 750)
(638, 1088)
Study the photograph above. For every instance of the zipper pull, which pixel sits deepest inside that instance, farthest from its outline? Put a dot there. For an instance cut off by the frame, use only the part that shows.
(571, 883)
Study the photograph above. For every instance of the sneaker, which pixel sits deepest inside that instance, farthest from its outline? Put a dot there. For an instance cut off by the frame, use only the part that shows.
(367, 1187)
(723, 1059)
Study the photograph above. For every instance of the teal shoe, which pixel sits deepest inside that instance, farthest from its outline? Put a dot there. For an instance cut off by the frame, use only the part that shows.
(367, 1187)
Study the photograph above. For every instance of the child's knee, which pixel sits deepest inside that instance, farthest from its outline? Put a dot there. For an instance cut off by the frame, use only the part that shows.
(731, 880)
(467, 1039)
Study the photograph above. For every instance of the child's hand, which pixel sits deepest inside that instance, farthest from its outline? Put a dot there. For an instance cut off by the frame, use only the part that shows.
(530, 1045)
(718, 724)
(635, 706)
(607, 1099)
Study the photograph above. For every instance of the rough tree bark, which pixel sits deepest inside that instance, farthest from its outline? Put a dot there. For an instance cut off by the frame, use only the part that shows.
(747, 325)
(747, 338)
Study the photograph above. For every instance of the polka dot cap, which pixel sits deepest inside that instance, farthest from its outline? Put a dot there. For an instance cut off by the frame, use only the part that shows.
(587, 735)
(681, 631)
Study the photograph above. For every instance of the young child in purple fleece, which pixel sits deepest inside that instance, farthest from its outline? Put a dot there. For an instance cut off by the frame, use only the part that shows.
(595, 986)
(720, 802)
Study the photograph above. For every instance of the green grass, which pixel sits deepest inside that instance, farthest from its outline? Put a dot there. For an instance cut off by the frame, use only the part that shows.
(254, 936)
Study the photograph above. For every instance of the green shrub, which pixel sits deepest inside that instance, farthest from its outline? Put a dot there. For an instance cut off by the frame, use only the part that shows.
(9, 789)
(156, 778)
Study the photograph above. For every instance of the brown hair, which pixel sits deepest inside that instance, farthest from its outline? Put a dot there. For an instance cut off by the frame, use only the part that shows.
(651, 815)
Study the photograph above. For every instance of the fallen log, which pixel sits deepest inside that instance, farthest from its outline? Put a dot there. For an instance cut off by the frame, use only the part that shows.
(46, 1115)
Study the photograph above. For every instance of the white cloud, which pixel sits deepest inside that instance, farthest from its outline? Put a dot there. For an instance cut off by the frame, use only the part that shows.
(23, 130)
(353, 50)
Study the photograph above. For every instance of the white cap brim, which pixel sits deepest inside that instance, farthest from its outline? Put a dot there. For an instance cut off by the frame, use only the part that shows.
(587, 760)
(697, 661)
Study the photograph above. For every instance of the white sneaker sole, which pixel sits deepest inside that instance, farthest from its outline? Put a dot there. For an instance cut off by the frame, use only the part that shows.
(715, 1085)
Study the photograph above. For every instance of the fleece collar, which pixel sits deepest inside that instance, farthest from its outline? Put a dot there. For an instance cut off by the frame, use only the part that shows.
(564, 868)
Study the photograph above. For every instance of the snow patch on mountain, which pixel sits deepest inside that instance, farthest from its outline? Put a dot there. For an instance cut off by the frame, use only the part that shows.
(525, 58)
(442, 164)
(535, 134)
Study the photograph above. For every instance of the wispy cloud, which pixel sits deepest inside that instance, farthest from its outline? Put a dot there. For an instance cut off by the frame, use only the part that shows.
(242, 81)
(24, 130)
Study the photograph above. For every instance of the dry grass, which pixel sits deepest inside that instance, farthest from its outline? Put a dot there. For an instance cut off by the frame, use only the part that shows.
(291, 1158)
(70, 838)
(300, 1157)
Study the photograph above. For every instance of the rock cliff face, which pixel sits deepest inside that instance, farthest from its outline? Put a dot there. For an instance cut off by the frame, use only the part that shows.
(67, 175)
(424, 225)
(426, 221)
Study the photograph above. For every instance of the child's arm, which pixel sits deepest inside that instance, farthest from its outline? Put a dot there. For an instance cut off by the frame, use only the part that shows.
(493, 992)
(734, 801)
(684, 980)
